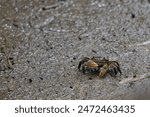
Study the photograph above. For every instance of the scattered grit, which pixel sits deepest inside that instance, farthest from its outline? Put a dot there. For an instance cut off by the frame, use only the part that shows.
(42, 42)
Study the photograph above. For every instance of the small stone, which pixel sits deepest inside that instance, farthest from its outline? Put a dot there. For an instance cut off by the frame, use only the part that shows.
(30, 80)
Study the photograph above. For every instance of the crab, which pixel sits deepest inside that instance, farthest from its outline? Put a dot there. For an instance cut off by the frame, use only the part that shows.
(102, 66)
(87, 64)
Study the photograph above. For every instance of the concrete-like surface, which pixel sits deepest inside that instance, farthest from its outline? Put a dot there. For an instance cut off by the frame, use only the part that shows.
(46, 39)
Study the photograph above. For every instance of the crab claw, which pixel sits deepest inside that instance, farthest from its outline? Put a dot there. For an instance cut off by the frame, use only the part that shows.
(103, 71)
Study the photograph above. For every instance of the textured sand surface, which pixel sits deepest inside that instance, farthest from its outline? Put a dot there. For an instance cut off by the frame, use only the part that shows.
(42, 42)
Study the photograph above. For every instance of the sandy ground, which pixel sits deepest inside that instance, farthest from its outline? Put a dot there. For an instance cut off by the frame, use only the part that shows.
(42, 42)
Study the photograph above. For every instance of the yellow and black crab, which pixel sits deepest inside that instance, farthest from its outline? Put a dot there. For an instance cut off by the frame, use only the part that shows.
(101, 65)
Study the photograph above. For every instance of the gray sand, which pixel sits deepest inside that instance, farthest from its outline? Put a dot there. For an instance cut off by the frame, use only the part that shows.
(42, 42)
